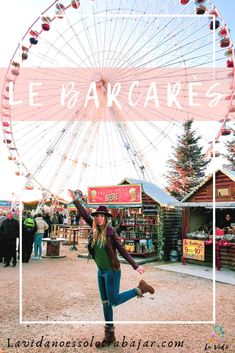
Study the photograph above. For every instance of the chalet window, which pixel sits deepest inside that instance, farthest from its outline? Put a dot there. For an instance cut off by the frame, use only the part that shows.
(222, 192)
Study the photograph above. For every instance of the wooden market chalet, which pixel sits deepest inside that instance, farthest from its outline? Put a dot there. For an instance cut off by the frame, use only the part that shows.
(168, 219)
(197, 216)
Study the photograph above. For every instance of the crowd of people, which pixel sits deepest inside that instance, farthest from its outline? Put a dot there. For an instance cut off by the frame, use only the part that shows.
(34, 229)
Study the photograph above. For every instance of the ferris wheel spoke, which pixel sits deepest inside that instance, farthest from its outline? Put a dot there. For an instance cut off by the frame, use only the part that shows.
(89, 148)
(154, 59)
(90, 42)
(171, 61)
(45, 153)
(126, 53)
(97, 41)
(117, 35)
(65, 160)
(133, 148)
(168, 51)
(113, 60)
(76, 36)
(129, 145)
(113, 32)
(105, 35)
(62, 53)
(74, 159)
(146, 43)
(170, 119)
(141, 37)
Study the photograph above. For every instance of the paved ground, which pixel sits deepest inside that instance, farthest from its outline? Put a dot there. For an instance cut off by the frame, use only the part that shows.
(65, 290)
(224, 275)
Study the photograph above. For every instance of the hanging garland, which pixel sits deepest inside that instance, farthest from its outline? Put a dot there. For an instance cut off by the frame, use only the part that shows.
(160, 234)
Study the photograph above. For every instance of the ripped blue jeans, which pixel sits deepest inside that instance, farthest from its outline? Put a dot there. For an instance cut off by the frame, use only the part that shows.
(109, 285)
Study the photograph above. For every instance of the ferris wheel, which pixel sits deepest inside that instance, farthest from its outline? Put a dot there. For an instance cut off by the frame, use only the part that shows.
(82, 45)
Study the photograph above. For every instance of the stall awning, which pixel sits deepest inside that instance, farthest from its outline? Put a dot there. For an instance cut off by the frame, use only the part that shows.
(203, 204)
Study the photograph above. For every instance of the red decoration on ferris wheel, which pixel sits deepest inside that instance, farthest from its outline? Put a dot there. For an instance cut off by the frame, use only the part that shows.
(45, 26)
(230, 63)
(60, 7)
(7, 141)
(24, 56)
(34, 33)
(75, 4)
(223, 32)
(46, 23)
(225, 42)
(214, 12)
(200, 10)
(225, 132)
(29, 187)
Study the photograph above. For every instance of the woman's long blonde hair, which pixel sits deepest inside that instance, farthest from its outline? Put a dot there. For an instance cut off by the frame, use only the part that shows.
(99, 233)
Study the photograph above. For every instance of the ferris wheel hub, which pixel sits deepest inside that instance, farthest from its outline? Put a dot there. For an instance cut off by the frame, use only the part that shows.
(97, 77)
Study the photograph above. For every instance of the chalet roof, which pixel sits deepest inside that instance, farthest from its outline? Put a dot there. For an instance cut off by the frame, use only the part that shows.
(225, 204)
(229, 173)
(152, 190)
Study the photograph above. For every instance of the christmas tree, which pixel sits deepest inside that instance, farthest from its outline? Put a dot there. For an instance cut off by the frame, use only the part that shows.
(187, 166)
(230, 155)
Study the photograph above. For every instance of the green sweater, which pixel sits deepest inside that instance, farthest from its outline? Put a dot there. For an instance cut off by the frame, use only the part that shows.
(102, 258)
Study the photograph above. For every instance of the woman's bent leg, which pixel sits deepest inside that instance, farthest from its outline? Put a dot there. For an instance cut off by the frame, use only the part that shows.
(112, 284)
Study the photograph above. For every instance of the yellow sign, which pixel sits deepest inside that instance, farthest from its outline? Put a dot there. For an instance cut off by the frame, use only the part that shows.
(194, 249)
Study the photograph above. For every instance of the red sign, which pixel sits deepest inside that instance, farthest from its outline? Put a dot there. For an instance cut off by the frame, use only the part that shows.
(115, 195)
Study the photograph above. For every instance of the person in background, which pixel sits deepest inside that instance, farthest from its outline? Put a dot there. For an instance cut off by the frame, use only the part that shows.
(65, 217)
(10, 231)
(60, 218)
(54, 219)
(226, 223)
(29, 227)
(2, 245)
(47, 219)
(2, 217)
(42, 226)
(75, 219)
(103, 242)
(78, 218)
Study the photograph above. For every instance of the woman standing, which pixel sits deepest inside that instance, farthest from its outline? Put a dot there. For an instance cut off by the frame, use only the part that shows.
(42, 226)
(103, 242)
